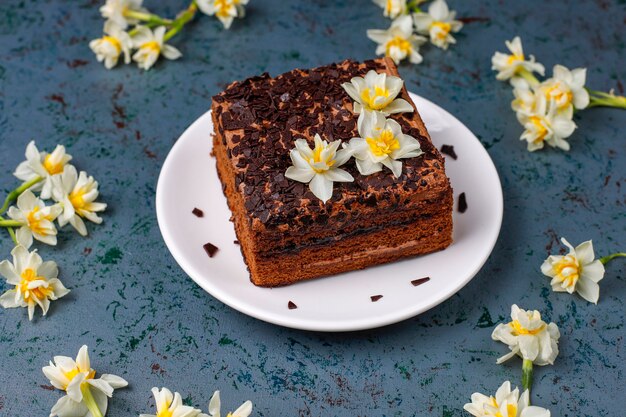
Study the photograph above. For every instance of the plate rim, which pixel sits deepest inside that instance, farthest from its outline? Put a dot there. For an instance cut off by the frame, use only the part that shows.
(293, 321)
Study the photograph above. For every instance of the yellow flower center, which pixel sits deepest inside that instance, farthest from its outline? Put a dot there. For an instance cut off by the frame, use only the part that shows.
(77, 198)
(384, 144)
(39, 293)
(370, 99)
(540, 129)
(389, 6)
(51, 166)
(317, 157)
(113, 41)
(567, 270)
(511, 409)
(515, 58)
(398, 42)
(165, 412)
(518, 329)
(152, 46)
(70, 375)
(562, 96)
(442, 29)
(34, 221)
(223, 7)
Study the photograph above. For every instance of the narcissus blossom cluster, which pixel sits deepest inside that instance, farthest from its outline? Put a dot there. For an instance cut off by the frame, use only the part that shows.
(132, 32)
(412, 27)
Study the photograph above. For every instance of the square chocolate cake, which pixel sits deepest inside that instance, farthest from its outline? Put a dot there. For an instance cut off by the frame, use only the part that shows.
(286, 231)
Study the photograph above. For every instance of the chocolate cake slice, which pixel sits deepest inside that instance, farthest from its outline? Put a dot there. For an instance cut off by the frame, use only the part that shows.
(286, 233)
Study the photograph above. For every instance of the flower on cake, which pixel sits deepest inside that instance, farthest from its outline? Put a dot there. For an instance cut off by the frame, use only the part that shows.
(577, 271)
(515, 63)
(77, 194)
(505, 403)
(112, 45)
(319, 167)
(215, 405)
(529, 337)
(438, 23)
(566, 89)
(377, 92)
(36, 219)
(42, 165)
(546, 125)
(150, 46)
(122, 12)
(398, 42)
(225, 10)
(171, 405)
(86, 395)
(381, 143)
(393, 8)
(36, 282)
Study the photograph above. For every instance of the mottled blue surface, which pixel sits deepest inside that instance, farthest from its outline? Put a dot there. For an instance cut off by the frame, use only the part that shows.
(145, 320)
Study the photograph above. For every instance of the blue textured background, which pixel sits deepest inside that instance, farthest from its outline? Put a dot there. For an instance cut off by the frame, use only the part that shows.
(145, 320)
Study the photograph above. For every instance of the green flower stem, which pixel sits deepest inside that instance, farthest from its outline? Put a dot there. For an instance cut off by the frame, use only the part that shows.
(135, 30)
(606, 259)
(182, 19)
(90, 402)
(10, 223)
(11, 232)
(413, 6)
(148, 18)
(528, 76)
(13, 195)
(527, 374)
(602, 99)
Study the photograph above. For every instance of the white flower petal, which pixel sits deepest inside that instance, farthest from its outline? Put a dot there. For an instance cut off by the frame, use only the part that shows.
(588, 290)
(321, 187)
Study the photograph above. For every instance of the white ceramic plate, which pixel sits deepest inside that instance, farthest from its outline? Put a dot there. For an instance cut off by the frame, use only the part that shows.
(189, 179)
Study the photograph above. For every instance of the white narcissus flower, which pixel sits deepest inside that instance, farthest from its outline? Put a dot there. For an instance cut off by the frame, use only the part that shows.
(224, 10)
(577, 271)
(244, 409)
(398, 42)
(76, 377)
(510, 65)
(44, 165)
(117, 11)
(319, 167)
(438, 23)
(77, 195)
(36, 218)
(35, 281)
(506, 403)
(525, 101)
(150, 46)
(529, 337)
(546, 125)
(392, 8)
(377, 92)
(112, 45)
(169, 405)
(567, 89)
(381, 143)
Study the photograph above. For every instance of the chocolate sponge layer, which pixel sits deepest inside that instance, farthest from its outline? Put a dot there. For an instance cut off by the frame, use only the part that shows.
(286, 233)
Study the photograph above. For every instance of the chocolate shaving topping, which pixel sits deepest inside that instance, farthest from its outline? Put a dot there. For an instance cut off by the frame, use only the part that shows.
(291, 305)
(462, 203)
(263, 116)
(449, 150)
(236, 242)
(210, 249)
(197, 212)
(376, 298)
(420, 281)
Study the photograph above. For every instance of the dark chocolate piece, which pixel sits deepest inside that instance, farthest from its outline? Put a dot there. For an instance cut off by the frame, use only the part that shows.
(376, 298)
(449, 150)
(420, 281)
(236, 242)
(291, 305)
(462, 203)
(210, 249)
(197, 212)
